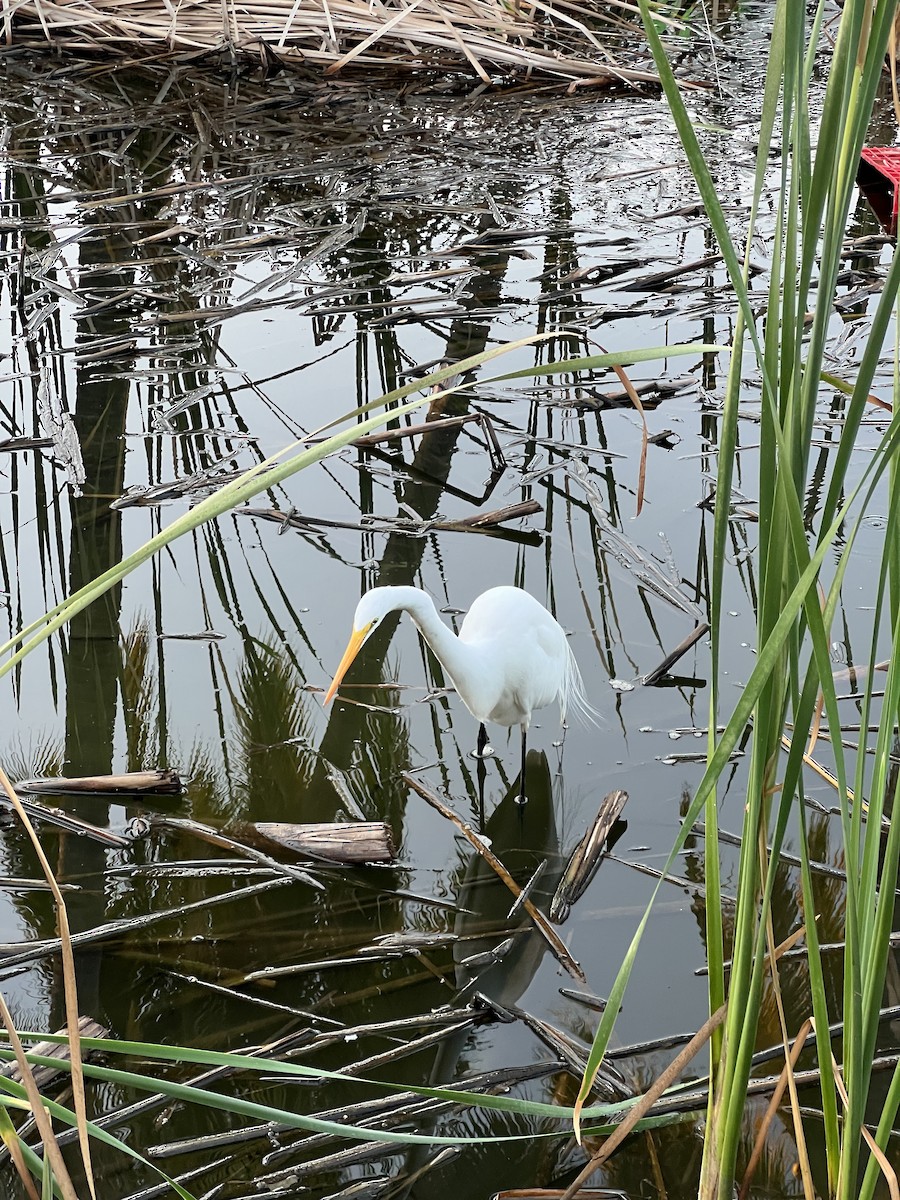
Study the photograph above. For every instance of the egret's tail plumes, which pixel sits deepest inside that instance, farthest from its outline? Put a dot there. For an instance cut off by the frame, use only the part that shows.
(573, 701)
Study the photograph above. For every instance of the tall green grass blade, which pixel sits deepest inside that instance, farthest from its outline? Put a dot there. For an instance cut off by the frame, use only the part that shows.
(15, 1091)
(769, 655)
(613, 358)
(236, 1105)
(813, 202)
(152, 1052)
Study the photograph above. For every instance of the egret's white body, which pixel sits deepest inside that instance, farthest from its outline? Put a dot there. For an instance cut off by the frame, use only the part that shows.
(511, 657)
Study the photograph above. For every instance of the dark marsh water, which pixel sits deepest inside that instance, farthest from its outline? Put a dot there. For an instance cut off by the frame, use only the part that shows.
(196, 271)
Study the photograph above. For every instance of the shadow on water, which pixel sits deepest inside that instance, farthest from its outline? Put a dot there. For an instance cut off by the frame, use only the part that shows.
(196, 272)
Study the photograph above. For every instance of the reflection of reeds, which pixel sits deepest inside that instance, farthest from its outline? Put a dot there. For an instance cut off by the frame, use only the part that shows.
(138, 687)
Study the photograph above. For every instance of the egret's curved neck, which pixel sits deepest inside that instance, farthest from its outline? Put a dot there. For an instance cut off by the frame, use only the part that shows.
(454, 655)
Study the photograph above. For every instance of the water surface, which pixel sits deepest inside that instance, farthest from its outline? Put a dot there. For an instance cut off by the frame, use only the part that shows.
(199, 271)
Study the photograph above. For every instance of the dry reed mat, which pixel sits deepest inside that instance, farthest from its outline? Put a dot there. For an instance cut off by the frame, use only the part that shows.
(494, 39)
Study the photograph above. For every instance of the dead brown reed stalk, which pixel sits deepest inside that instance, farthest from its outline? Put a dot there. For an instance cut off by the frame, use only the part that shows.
(646, 1102)
(61, 1176)
(71, 1004)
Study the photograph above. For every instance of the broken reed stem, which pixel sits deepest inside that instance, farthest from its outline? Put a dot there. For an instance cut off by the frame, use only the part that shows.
(10, 1138)
(545, 928)
(774, 954)
(653, 1093)
(878, 1154)
(645, 434)
(204, 833)
(762, 1133)
(61, 1177)
(672, 658)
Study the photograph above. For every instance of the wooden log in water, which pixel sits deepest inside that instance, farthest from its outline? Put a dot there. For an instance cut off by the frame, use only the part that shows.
(345, 842)
(45, 1075)
(155, 783)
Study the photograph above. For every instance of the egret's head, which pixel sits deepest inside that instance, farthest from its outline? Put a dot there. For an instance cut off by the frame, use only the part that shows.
(373, 607)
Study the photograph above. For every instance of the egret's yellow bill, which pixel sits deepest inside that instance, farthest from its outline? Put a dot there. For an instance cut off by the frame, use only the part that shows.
(356, 640)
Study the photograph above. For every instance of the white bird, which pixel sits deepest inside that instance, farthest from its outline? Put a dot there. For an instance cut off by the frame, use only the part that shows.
(510, 659)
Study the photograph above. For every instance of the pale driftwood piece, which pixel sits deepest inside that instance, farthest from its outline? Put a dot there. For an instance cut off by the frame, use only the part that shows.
(586, 857)
(857, 674)
(182, 825)
(338, 841)
(146, 783)
(44, 1076)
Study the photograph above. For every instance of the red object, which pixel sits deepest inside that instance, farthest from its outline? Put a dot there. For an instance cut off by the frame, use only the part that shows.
(879, 179)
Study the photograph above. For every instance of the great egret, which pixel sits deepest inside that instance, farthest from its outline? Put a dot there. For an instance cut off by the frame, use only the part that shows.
(510, 659)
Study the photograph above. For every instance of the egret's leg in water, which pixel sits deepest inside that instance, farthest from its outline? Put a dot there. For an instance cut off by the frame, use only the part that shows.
(522, 796)
(482, 740)
(481, 770)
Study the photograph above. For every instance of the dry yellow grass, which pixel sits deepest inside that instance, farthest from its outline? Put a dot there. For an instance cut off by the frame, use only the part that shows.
(491, 38)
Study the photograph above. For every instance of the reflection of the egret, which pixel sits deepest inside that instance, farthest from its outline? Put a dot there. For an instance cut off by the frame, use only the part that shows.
(522, 837)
